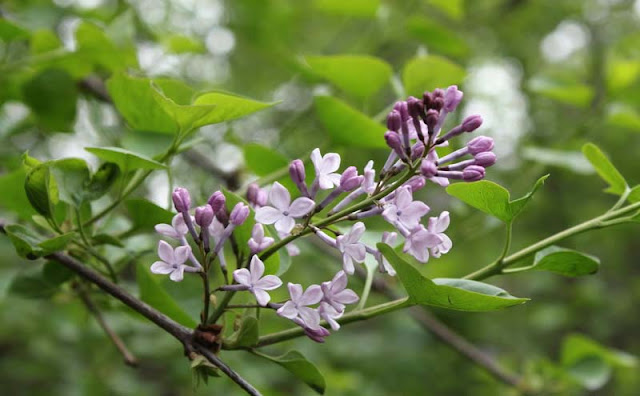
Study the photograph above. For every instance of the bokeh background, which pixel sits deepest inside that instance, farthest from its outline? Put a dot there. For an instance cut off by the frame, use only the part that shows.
(547, 77)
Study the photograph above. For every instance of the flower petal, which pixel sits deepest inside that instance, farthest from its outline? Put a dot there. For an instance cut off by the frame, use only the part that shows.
(443, 222)
(403, 198)
(167, 230)
(279, 197)
(330, 163)
(310, 317)
(269, 282)
(182, 254)
(242, 276)
(357, 251)
(162, 268)
(177, 274)
(285, 224)
(257, 269)
(347, 264)
(346, 296)
(311, 296)
(268, 215)
(325, 182)
(316, 158)
(262, 297)
(257, 232)
(165, 252)
(301, 206)
(295, 291)
(179, 225)
(356, 232)
(339, 282)
(288, 310)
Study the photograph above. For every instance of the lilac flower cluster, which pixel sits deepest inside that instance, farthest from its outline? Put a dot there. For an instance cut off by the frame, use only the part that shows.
(414, 133)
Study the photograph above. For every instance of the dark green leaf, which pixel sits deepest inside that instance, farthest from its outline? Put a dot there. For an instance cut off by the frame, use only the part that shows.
(145, 214)
(458, 294)
(247, 334)
(355, 8)
(358, 75)
(565, 262)
(14, 197)
(32, 285)
(106, 239)
(299, 366)
(347, 126)
(125, 159)
(606, 170)
(153, 294)
(426, 73)
(517, 205)
(57, 243)
(24, 241)
(56, 273)
(592, 372)
(263, 160)
(40, 193)
(101, 181)
(43, 94)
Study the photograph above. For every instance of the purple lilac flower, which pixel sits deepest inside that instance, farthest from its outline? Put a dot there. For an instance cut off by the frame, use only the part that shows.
(437, 226)
(283, 212)
(255, 282)
(177, 230)
(350, 247)
(258, 241)
(325, 167)
(317, 335)
(336, 293)
(172, 261)
(419, 241)
(298, 306)
(330, 314)
(404, 209)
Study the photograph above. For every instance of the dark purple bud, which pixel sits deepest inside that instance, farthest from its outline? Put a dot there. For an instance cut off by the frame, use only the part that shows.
(480, 144)
(427, 99)
(417, 150)
(431, 120)
(394, 121)
(472, 123)
(393, 141)
(181, 199)
(415, 183)
(296, 171)
(438, 93)
(239, 214)
(256, 195)
(217, 201)
(204, 216)
(401, 108)
(416, 111)
(437, 104)
(350, 180)
(473, 173)
(485, 159)
(428, 168)
(452, 98)
(317, 335)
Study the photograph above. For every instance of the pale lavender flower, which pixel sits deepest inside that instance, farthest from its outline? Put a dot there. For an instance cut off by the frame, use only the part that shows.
(336, 293)
(419, 241)
(298, 306)
(369, 183)
(404, 209)
(239, 214)
(283, 212)
(437, 226)
(177, 230)
(330, 314)
(258, 241)
(172, 261)
(350, 247)
(452, 98)
(317, 335)
(325, 167)
(383, 264)
(255, 282)
(216, 229)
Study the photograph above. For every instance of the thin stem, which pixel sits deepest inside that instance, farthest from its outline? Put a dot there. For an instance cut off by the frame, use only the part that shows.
(507, 242)
(87, 246)
(219, 310)
(129, 358)
(622, 199)
(367, 288)
(215, 360)
(207, 296)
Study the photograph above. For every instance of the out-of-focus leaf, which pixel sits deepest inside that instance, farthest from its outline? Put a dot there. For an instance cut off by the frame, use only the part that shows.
(621, 73)
(11, 31)
(43, 41)
(426, 73)
(52, 95)
(153, 294)
(247, 334)
(72, 175)
(623, 116)
(358, 75)
(33, 285)
(454, 9)
(592, 372)
(177, 90)
(101, 181)
(57, 243)
(56, 273)
(181, 44)
(355, 8)
(565, 262)
(299, 366)
(437, 37)
(572, 160)
(145, 214)
(458, 294)
(125, 159)
(571, 93)
(242, 233)
(24, 241)
(606, 170)
(97, 48)
(347, 126)
(263, 160)
(14, 197)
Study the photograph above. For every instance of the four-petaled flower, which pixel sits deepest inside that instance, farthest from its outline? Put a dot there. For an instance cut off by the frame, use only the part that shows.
(283, 212)
(258, 241)
(404, 209)
(330, 314)
(437, 226)
(298, 306)
(325, 169)
(172, 261)
(336, 293)
(256, 283)
(177, 230)
(419, 241)
(350, 247)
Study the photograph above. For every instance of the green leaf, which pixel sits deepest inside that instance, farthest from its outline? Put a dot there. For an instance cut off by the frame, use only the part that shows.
(634, 194)
(145, 214)
(14, 197)
(24, 241)
(181, 44)
(101, 181)
(299, 366)
(623, 116)
(493, 199)
(52, 95)
(263, 160)
(438, 37)
(606, 170)
(592, 372)
(43, 40)
(242, 233)
(621, 73)
(426, 73)
(177, 90)
(358, 75)
(228, 107)
(125, 159)
(57, 243)
(56, 273)
(72, 176)
(569, 92)
(94, 45)
(33, 285)
(565, 262)
(37, 186)
(153, 294)
(11, 31)
(354, 8)
(203, 369)
(458, 294)
(454, 9)
(106, 239)
(347, 126)
(247, 334)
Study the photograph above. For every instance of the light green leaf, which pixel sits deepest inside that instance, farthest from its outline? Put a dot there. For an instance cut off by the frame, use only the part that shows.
(426, 73)
(565, 262)
(181, 44)
(43, 95)
(571, 93)
(458, 294)
(454, 9)
(572, 160)
(247, 334)
(72, 176)
(355, 8)
(299, 366)
(517, 205)
(437, 36)
(14, 197)
(263, 160)
(94, 45)
(11, 31)
(634, 194)
(57, 243)
(623, 116)
(153, 294)
(145, 214)
(43, 40)
(592, 372)
(24, 241)
(621, 73)
(228, 107)
(606, 170)
(125, 159)
(358, 75)
(347, 126)
(40, 193)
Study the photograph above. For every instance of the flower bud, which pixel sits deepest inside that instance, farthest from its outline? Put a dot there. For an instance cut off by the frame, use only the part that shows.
(485, 159)
(428, 168)
(239, 214)
(393, 141)
(256, 195)
(217, 201)
(350, 179)
(472, 123)
(431, 120)
(401, 108)
(452, 98)
(394, 121)
(473, 173)
(204, 216)
(296, 171)
(438, 93)
(427, 99)
(415, 183)
(417, 150)
(181, 199)
(480, 144)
